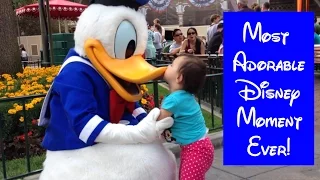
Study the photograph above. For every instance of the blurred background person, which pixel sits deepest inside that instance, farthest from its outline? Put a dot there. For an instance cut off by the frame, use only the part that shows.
(176, 45)
(157, 40)
(192, 45)
(265, 7)
(150, 52)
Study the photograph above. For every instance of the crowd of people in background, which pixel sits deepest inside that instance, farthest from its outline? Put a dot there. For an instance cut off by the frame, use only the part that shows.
(193, 43)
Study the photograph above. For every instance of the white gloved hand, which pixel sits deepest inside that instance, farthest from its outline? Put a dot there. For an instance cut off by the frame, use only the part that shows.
(148, 130)
(164, 124)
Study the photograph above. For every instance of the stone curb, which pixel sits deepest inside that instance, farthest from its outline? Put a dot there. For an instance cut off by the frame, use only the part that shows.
(216, 139)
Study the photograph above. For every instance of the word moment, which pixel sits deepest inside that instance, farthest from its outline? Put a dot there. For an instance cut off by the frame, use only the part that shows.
(268, 90)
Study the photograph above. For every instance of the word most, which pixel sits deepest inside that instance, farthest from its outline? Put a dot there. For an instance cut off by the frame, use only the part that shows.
(265, 37)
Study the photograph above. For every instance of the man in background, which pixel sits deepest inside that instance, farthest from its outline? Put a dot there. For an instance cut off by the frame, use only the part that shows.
(216, 40)
(243, 6)
(266, 7)
(178, 38)
(213, 26)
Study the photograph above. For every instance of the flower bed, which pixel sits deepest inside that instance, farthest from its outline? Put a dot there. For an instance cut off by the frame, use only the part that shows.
(147, 100)
(31, 82)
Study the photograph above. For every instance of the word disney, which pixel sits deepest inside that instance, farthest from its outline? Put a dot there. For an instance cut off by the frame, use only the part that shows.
(265, 91)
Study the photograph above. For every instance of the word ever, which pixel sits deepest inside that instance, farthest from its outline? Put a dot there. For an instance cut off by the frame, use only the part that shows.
(271, 121)
(266, 65)
(265, 37)
(263, 93)
(269, 150)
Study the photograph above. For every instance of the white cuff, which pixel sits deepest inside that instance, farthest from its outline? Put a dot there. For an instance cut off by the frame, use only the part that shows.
(89, 128)
(138, 111)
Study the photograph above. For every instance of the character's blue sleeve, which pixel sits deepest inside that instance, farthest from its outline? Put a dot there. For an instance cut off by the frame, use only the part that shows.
(170, 104)
(139, 113)
(142, 2)
(75, 88)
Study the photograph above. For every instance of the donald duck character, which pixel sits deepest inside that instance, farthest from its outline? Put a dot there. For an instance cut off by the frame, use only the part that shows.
(95, 129)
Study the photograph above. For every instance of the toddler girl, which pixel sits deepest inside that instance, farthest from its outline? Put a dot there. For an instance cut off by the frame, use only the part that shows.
(186, 76)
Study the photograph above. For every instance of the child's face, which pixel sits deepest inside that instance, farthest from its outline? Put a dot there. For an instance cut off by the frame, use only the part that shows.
(172, 75)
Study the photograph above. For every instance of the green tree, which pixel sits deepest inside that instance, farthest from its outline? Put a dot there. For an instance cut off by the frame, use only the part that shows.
(9, 48)
(28, 26)
(19, 3)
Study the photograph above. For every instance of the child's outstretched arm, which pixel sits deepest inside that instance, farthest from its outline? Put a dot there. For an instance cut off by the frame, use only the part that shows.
(163, 114)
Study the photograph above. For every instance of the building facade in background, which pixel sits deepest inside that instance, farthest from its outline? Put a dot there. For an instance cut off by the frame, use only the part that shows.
(198, 12)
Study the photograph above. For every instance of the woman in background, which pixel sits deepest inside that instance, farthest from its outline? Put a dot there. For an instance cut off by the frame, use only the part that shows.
(192, 45)
(157, 42)
(150, 50)
(24, 57)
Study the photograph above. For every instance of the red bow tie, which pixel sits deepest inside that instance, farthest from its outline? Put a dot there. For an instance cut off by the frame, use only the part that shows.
(118, 106)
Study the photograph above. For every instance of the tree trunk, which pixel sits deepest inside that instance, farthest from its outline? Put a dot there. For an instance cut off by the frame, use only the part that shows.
(10, 61)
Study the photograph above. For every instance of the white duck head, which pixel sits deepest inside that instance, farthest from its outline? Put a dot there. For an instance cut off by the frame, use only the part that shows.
(113, 36)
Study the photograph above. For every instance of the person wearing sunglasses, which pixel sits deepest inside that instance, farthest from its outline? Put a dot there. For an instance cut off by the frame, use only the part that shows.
(178, 38)
(192, 45)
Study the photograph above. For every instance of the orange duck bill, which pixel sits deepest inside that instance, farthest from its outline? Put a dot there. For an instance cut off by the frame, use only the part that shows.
(123, 75)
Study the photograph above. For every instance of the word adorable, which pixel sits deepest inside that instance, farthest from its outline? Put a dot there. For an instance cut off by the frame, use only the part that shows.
(247, 65)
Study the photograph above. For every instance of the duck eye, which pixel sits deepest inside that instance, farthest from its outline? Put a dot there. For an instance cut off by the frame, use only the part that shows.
(130, 48)
(125, 40)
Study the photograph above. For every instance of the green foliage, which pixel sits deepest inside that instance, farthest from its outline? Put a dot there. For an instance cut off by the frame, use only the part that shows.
(18, 166)
(13, 127)
(20, 3)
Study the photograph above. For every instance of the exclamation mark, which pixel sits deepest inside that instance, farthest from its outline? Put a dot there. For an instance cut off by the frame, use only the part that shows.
(288, 146)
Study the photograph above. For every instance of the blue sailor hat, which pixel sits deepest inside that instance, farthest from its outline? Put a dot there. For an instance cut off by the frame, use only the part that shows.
(135, 4)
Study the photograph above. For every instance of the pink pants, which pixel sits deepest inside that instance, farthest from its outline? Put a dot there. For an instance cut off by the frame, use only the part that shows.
(196, 160)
